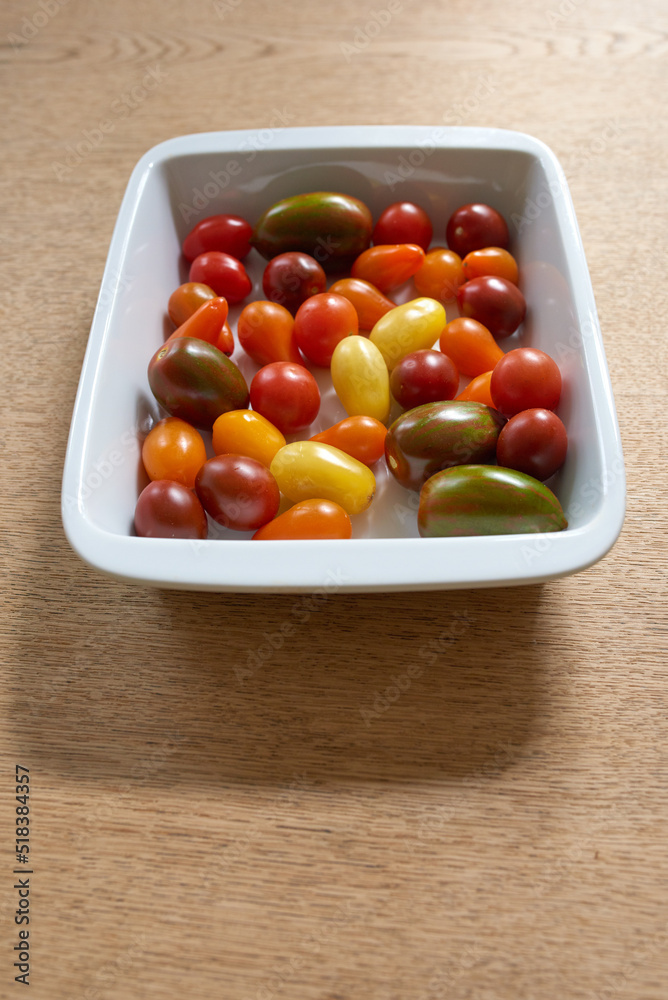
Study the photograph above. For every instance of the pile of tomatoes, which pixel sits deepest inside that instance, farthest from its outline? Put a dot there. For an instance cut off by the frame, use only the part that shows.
(263, 477)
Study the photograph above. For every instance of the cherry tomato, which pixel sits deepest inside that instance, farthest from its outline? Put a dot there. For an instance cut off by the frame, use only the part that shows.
(206, 323)
(360, 436)
(524, 379)
(424, 377)
(244, 432)
(412, 326)
(321, 322)
(225, 341)
(477, 391)
(286, 394)
(266, 331)
(228, 233)
(474, 226)
(493, 261)
(222, 272)
(308, 470)
(166, 509)
(360, 378)
(495, 302)
(187, 299)
(308, 519)
(533, 441)
(175, 450)
(403, 222)
(370, 304)
(440, 275)
(388, 266)
(238, 492)
(291, 278)
(470, 345)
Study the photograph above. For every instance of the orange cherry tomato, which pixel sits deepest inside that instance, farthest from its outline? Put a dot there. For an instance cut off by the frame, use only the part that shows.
(470, 345)
(370, 304)
(204, 324)
(174, 450)
(245, 432)
(225, 342)
(441, 275)
(308, 519)
(478, 391)
(389, 265)
(360, 436)
(266, 333)
(187, 299)
(493, 261)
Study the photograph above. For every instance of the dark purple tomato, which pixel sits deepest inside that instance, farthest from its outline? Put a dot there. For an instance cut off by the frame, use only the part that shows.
(495, 302)
(403, 222)
(424, 377)
(238, 492)
(166, 509)
(474, 227)
(533, 441)
(222, 272)
(524, 379)
(291, 278)
(227, 233)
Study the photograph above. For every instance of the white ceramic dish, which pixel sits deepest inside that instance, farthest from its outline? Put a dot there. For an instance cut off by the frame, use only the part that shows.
(185, 179)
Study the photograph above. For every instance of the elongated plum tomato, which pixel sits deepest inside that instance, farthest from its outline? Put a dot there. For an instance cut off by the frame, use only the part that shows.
(474, 226)
(360, 436)
(403, 222)
(388, 266)
(287, 395)
(222, 272)
(166, 509)
(175, 450)
(495, 302)
(238, 492)
(412, 326)
(360, 378)
(524, 379)
(309, 470)
(186, 299)
(533, 441)
(470, 345)
(227, 233)
(370, 303)
(440, 275)
(321, 323)
(291, 278)
(308, 519)
(490, 261)
(245, 432)
(266, 331)
(424, 377)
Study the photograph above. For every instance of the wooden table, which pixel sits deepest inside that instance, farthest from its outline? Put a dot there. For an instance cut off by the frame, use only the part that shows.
(499, 831)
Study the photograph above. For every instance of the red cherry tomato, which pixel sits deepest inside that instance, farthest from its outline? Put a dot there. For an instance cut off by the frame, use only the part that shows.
(524, 379)
(222, 272)
(533, 441)
(228, 233)
(187, 299)
(166, 509)
(286, 394)
(238, 492)
(308, 519)
(388, 266)
(321, 322)
(495, 302)
(403, 222)
(291, 278)
(266, 333)
(424, 377)
(474, 226)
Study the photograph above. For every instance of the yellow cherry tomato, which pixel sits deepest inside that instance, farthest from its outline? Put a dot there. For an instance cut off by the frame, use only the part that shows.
(307, 470)
(413, 326)
(245, 432)
(360, 378)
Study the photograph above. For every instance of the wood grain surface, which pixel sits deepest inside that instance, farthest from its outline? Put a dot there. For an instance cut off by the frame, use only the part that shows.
(216, 816)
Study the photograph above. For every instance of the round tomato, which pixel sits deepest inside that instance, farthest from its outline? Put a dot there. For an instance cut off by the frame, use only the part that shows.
(495, 302)
(187, 299)
(474, 226)
(266, 331)
(308, 519)
(424, 377)
(166, 509)
(286, 394)
(222, 272)
(321, 322)
(533, 441)
(228, 233)
(291, 278)
(524, 379)
(238, 492)
(403, 222)
(175, 450)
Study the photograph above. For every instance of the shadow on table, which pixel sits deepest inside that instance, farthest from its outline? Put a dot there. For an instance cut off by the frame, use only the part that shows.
(335, 687)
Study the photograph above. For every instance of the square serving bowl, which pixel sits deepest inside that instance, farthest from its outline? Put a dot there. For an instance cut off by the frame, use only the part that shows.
(183, 180)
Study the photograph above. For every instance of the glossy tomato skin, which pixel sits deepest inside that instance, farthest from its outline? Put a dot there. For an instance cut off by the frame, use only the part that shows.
(186, 299)
(321, 323)
(474, 226)
(266, 332)
(286, 394)
(222, 272)
(490, 260)
(470, 345)
(308, 519)
(206, 323)
(533, 441)
(403, 222)
(360, 436)
(525, 379)
(424, 377)
(166, 509)
(370, 303)
(387, 266)
(495, 302)
(291, 278)
(440, 275)
(173, 449)
(227, 233)
(238, 492)
(245, 432)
